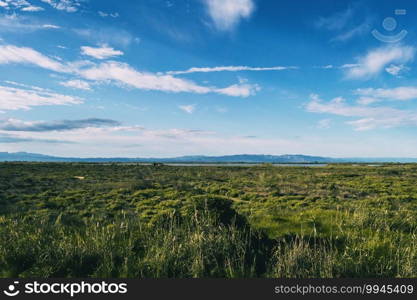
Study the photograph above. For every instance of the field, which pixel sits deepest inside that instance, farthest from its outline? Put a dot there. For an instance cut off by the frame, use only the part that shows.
(127, 220)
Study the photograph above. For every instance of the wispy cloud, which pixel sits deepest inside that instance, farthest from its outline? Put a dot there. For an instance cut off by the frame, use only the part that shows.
(105, 14)
(13, 98)
(324, 124)
(106, 141)
(348, 66)
(399, 93)
(51, 26)
(336, 21)
(239, 90)
(189, 109)
(64, 5)
(358, 30)
(123, 73)
(77, 84)
(346, 24)
(367, 117)
(33, 8)
(326, 67)
(22, 5)
(376, 60)
(128, 141)
(12, 54)
(22, 24)
(102, 52)
(344, 66)
(230, 69)
(226, 14)
(63, 125)
(106, 35)
(396, 70)
(13, 139)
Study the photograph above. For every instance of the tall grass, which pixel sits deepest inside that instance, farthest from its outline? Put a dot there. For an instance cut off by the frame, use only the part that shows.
(367, 244)
(196, 247)
(202, 246)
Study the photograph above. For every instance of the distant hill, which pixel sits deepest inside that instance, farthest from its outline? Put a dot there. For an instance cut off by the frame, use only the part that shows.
(252, 158)
(239, 158)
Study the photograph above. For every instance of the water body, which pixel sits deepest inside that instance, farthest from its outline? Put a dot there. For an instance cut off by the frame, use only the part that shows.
(215, 164)
(240, 165)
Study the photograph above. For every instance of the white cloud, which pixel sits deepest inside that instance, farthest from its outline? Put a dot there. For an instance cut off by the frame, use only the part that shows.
(326, 67)
(13, 139)
(50, 26)
(107, 35)
(123, 73)
(348, 66)
(19, 23)
(336, 21)
(229, 69)
(367, 117)
(104, 14)
(103, 52)
(12, 54)
(13, 98)
(376, 60)
(396, 70)
(129, 140)
(32, 8)
(134, 141)
(14, 83)
(356, 31)
(189, 109)
(324, 124)
(19, 5)
(64, 5)
(239, 90)
(348, 23)
(398, 93)
(226, 14)
(367, 100)
(77, 84)
(11, 124)
(120, 73)
(338, 106)
(344, 66)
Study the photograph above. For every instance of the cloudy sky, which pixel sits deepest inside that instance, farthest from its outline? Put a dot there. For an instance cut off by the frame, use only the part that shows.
(161, 78)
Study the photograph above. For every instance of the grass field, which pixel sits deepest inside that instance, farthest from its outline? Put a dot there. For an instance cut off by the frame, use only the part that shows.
(115, 220)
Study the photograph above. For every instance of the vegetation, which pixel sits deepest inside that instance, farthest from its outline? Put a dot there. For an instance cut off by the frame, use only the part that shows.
(131, 220)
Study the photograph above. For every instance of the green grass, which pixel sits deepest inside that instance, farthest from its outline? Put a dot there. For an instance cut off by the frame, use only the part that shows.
(225, 222)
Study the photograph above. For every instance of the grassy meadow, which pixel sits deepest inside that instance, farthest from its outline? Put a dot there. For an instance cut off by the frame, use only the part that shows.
(129, 220)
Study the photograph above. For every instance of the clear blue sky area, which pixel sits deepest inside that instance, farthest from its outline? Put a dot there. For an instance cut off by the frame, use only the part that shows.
(158, 78)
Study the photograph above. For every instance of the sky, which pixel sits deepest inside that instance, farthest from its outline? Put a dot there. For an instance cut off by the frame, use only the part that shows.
(164, 78)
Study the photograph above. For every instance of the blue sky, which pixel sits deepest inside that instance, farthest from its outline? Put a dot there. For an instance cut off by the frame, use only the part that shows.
(158, 78)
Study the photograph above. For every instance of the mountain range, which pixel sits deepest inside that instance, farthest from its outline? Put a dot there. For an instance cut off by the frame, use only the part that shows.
(239, 158)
